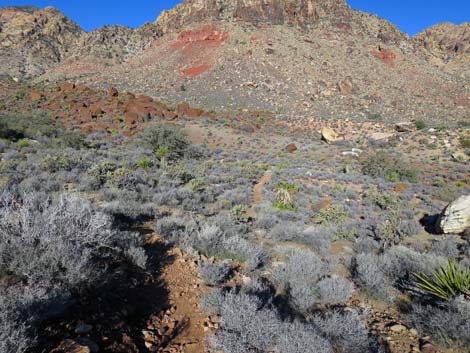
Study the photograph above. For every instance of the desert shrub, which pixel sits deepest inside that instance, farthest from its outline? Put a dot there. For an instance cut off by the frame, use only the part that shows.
(448, 322)
(54, 246)
(123, 178)
(215, 274)
(304, 279)
(381, 275)
(73, 140)
(384, 200)
(347, 332)
(179, 172)
(213, 241)
(392, 169)
(333, 214)
(56, 241)
(197, 184)
(334, 290)
(369, 275)
(445, 248)
(239, 214)
(247, 325)
(165, 141)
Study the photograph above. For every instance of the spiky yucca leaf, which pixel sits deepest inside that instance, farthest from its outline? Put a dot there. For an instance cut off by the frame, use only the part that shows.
(446, 282)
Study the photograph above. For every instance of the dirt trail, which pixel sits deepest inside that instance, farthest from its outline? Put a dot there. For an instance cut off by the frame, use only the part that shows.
(258, 192)
(156, 310)
(185, 321)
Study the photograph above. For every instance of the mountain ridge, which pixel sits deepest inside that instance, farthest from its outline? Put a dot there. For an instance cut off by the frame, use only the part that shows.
(298, 57)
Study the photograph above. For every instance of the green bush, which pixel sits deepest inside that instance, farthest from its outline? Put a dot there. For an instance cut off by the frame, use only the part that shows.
(23, 143)
(420, 124)
(164, 141)
(390, 168)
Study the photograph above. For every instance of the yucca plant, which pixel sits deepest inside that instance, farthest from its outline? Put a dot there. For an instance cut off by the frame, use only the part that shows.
(446, 282)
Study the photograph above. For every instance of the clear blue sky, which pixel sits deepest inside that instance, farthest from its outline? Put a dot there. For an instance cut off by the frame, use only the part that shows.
(410, 16)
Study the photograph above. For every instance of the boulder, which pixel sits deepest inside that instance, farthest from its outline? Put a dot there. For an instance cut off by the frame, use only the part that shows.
(291, 148)
(455, 218)
(329, 135)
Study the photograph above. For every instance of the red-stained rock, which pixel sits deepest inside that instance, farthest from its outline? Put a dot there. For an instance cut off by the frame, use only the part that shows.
(96, 111)
(384, 55)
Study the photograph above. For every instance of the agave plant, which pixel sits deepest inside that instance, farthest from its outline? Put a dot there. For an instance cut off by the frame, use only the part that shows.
(446, 282)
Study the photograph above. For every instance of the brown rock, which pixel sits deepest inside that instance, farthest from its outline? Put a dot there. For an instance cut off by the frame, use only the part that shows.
(291, 148)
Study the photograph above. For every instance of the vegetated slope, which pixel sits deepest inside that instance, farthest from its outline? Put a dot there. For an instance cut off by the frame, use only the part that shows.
(306, 58)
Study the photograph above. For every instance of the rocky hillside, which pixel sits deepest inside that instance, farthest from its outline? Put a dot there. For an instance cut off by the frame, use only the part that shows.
(33, 40)
(295, 58)
(448, 46)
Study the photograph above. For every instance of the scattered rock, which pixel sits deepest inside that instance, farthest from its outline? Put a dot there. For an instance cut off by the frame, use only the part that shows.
(455, 218)
(329, 135)
(381, 136)
(70, 346)
(398, 328)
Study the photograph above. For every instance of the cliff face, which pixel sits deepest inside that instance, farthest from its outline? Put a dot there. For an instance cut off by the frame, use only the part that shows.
(293, 12)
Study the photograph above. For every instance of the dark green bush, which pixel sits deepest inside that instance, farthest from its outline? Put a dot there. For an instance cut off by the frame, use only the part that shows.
(167, 142)
(392, 169)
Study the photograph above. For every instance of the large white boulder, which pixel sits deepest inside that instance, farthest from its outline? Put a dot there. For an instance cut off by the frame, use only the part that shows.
(456, 216)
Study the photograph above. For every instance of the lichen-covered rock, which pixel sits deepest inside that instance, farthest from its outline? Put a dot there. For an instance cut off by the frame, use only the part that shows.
(456, 216)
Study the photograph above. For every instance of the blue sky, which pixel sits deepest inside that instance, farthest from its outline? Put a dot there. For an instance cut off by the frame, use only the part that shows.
(410, 16)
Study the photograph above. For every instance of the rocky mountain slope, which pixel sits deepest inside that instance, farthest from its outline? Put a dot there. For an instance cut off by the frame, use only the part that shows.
(447, 46)
(295, 58)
